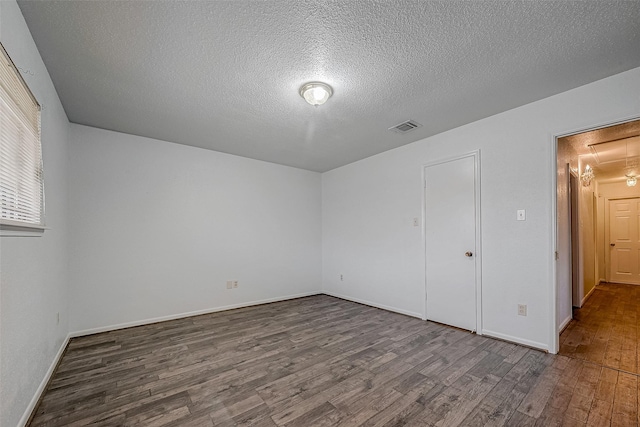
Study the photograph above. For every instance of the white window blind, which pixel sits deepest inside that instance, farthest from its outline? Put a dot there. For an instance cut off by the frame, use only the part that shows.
(21, 178)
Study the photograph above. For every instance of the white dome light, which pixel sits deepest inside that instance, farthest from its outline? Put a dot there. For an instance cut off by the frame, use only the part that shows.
(316, 93)
(631, 181)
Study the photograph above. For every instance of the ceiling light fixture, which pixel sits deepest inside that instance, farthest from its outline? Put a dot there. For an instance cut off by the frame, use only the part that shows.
(316, 93)
(587, 176)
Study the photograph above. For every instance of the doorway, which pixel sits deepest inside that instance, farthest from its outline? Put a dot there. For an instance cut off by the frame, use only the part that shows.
(452, 241)
(593, 166)
(624, 238)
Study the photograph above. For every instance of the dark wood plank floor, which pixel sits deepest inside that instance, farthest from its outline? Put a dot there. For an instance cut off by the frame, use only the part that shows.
(605, 329)
(322, 361)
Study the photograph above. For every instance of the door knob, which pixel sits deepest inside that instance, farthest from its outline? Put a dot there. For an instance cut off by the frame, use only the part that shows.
(469, 254)
(612, 244)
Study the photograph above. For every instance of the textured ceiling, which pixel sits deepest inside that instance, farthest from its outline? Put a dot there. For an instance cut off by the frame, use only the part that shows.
(225, 75)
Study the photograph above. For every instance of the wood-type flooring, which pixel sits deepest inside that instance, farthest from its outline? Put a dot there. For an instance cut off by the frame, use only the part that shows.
(605, 329)
(322, 361)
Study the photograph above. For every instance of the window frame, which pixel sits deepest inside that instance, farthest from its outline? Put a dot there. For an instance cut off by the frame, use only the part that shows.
(12, 227)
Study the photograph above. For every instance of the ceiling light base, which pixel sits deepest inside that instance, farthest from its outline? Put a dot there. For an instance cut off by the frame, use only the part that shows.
(316, 93)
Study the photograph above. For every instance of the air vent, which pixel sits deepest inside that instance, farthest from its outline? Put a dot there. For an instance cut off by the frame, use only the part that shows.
(405, 127)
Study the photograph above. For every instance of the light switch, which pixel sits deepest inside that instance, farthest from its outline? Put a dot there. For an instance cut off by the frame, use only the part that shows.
(522, 215)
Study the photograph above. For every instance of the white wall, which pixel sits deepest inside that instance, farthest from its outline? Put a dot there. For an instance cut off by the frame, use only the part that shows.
(158, 228)
(587, 217)
(618, 189)
(368, 208)
(601, 246)
(34, 270)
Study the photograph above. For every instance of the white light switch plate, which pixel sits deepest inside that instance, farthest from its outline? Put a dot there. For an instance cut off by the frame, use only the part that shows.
(522, 215)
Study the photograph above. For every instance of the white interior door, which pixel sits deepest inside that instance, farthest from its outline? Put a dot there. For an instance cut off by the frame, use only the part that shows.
(451, 252)
(624, 236)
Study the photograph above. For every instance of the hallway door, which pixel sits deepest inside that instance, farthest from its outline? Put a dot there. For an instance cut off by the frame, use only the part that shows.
(624, 236)
(451, 212)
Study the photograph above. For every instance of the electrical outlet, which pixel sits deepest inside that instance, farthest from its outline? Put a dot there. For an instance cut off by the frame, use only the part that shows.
(235, 283)
(229, 284)
(522, 310)
(341, 278)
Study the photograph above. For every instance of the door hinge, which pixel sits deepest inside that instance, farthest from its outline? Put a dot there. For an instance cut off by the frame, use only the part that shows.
(557, 256)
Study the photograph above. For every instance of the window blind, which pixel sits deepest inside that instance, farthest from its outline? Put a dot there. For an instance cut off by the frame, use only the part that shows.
(21, 178)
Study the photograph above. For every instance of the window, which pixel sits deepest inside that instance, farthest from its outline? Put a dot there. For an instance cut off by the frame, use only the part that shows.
(21, 178)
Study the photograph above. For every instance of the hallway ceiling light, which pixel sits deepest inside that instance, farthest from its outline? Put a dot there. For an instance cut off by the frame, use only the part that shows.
(316, 93)
(587, 176)
(631, 181)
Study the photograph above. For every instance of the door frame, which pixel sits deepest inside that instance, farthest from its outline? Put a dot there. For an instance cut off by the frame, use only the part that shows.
(475, 154)
(554, 333)
(607, 232)
(575, 245)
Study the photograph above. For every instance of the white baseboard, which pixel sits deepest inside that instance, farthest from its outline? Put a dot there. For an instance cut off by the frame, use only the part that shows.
(187, 314)
(586, 297)
(528, 343)
(564, 324)
(373, 304)
(43, 384)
